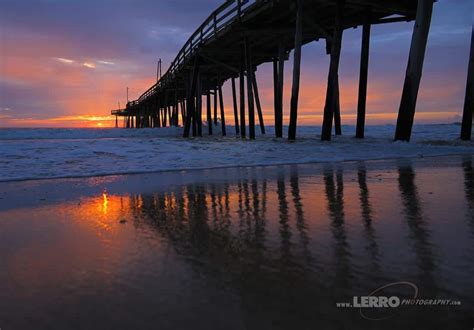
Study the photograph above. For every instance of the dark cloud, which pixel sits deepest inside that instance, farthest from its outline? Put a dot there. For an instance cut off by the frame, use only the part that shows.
(105, 28)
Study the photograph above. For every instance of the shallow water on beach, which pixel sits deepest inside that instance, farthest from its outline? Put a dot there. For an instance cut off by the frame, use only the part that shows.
(248, 248)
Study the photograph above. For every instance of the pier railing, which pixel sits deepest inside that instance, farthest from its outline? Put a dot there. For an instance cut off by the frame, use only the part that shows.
(228, 13)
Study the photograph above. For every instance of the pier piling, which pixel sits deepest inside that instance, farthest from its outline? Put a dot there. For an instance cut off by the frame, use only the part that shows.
(296, 71)
(364, 72)
(466, 128)
(332, 88)
(406, 114)
(239, 36)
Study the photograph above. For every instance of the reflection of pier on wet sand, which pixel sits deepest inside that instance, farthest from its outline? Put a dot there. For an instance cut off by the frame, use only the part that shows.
(281, 244)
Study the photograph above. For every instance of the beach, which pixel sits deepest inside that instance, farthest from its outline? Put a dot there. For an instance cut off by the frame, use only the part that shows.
(260, 247)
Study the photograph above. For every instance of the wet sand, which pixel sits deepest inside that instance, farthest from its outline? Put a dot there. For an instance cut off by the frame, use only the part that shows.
(246, 248)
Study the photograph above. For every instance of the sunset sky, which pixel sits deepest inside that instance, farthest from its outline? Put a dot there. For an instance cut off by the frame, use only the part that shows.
(67, 63)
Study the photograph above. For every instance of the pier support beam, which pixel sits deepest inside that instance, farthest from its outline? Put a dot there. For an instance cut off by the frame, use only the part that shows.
(165, 109)
(236, 112)
(364, 73)
(337, 111)
(275, 96)
(332, 93)
(215, 106)
(296, 71)
(165, 115)
(194, 115)
(183, 112)
(175, 108)
(278, 76)
(209, 112)
(170, 115)
(221, 103)
(250, 89)
(466, 130)
(145, 115)
(138, 120)
(199, 106)
(158, 115)
(257, 102)
(151, 113)
(243, 128)
(191, 98)
(406, 114)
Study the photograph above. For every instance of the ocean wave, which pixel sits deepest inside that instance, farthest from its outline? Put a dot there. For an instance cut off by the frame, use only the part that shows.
(83, 133)
(46, 154)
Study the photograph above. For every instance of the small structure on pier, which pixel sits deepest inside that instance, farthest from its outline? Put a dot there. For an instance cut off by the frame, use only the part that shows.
(242, 34)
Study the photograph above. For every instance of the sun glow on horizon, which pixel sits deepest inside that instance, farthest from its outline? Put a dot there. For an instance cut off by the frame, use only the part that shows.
(306, 118)
(82, 121)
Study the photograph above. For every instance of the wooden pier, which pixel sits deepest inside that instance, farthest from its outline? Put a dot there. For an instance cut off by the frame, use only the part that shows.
(240, 35)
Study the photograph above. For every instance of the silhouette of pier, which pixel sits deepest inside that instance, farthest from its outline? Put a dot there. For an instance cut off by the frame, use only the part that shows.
(240, 35)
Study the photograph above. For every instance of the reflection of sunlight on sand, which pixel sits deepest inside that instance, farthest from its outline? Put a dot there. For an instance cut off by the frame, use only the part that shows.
(85, 242)
(105, 203)
(103, 213)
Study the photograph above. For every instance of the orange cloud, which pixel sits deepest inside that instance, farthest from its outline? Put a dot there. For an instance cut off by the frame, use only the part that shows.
(90, 88)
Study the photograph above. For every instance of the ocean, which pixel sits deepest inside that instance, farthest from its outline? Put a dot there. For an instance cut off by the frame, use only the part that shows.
(62, 153)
